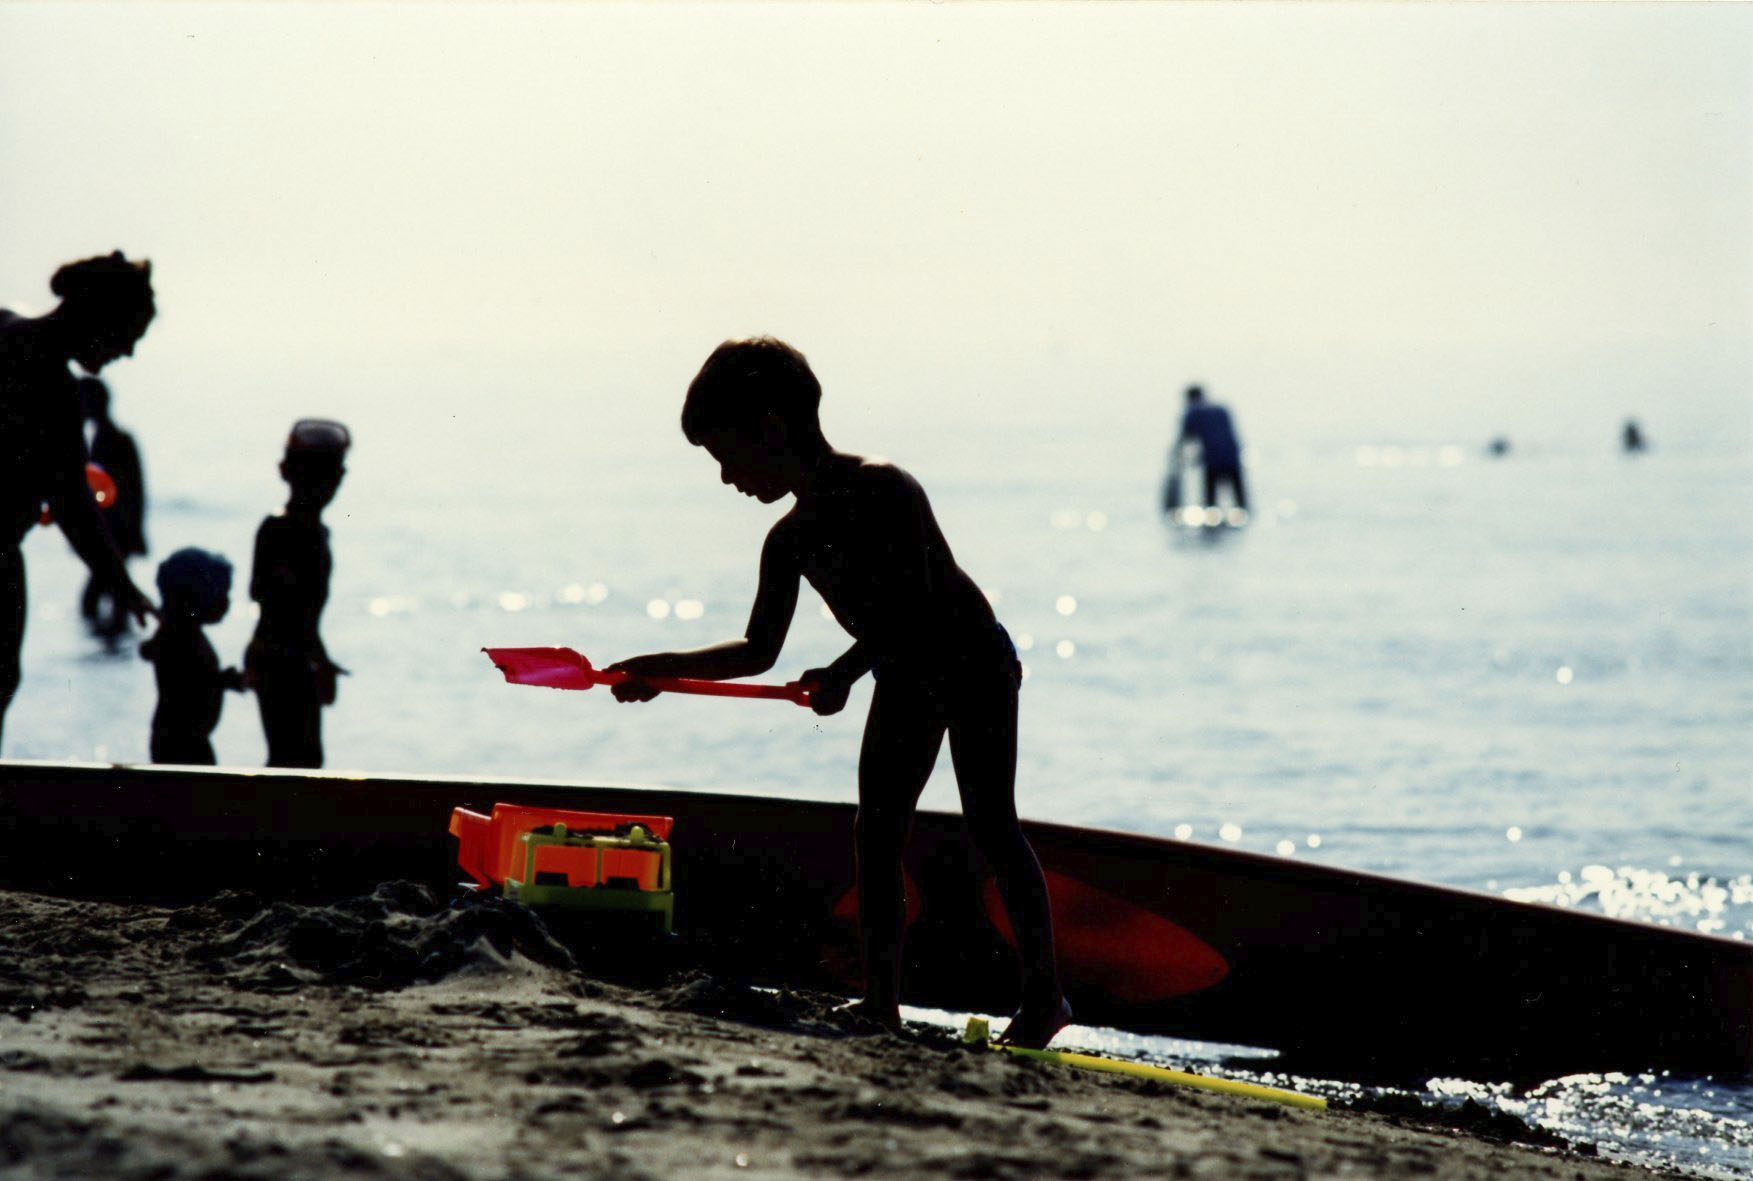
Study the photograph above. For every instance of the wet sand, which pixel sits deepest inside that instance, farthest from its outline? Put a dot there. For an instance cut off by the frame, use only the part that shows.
(393, 1036)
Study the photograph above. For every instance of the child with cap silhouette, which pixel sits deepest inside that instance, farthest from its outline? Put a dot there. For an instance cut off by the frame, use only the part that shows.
(286, 662)
(195, 589)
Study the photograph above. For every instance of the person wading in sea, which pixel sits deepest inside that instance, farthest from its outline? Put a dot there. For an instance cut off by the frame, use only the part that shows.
(106, 305)
(1220, 454)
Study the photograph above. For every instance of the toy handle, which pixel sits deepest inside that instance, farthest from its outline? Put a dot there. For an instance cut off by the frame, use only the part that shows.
(564, 668)
(794, 691)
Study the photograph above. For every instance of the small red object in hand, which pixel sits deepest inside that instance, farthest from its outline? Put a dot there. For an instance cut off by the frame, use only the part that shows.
(103, 490)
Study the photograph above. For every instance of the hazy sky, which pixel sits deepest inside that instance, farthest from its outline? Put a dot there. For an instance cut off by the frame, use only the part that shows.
(1329, 209)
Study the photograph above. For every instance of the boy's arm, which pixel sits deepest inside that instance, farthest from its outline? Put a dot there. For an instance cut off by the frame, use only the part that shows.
(829, 686)
(756, 652)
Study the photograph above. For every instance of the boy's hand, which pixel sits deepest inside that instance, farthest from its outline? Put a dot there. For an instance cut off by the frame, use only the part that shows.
(828, 690)
(638, 666)
(233, 679)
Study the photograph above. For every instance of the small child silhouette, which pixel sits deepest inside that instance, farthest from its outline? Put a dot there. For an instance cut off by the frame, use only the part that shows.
(194, 587)
(286, 662)
(863, 534)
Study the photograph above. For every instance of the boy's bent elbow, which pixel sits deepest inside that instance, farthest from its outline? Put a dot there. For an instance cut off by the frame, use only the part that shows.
(758, 662)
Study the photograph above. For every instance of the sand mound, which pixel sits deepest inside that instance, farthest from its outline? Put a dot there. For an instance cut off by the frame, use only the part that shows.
(232, 1039)
(394, 937)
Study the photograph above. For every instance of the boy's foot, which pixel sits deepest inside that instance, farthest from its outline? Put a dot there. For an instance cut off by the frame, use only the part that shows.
(869, 1014)
(1033, 1027)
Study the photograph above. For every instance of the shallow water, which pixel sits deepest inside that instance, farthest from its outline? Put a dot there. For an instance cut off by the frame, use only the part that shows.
(1530, 675)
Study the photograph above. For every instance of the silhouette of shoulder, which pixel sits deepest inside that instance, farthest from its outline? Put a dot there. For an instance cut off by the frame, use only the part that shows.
(853, 493)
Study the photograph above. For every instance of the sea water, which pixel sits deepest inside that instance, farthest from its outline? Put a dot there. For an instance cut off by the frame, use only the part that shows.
(1529, 675)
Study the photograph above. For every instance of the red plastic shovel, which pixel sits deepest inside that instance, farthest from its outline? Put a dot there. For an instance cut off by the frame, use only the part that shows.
(563, 668)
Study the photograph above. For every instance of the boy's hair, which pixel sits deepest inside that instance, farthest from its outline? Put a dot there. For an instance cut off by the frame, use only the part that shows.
(196, 577)
(745, 379)
(318, 436)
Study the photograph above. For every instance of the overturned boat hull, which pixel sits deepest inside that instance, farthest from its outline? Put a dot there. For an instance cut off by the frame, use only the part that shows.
(1344, 972)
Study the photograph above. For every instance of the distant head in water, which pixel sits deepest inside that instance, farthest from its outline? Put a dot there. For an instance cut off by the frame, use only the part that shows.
(106, 305)
(1195, 394)
(316, 452)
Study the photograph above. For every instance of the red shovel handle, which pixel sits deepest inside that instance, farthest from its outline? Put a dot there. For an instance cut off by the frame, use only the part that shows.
(564, 668)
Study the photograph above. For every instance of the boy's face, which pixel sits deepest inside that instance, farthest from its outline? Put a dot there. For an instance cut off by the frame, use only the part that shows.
(314, 479)
(214, 612)
(746, 464)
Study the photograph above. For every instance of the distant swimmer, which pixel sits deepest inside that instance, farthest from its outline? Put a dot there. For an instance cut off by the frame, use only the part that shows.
(286, 662)
(1631, 437)
(1498, 447)
(195, 589)
(1209, 425)
(114, 450)
(106, 305)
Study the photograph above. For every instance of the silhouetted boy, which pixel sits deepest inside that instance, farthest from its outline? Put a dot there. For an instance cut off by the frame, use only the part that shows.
(113, 449)
(286, 662)
(864, 536)
(194, 588)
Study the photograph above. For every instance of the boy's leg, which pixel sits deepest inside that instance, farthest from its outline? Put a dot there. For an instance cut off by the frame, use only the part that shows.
(901, 741)
(983, 746)
(292, 724)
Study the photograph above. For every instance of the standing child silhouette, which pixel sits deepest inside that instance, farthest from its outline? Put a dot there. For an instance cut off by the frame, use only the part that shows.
(286, 662)
(195, 588)
(863, 534)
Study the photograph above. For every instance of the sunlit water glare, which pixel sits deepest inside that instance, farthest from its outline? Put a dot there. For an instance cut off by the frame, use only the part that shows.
(1530, 675)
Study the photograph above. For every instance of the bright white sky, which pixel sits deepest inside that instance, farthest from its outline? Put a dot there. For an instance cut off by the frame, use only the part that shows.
(1314, 207)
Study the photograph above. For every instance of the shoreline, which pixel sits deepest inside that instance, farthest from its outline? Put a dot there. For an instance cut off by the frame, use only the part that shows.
(391, 1036)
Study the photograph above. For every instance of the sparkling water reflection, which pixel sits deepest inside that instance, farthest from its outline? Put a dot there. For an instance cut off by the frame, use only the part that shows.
(1367, 671)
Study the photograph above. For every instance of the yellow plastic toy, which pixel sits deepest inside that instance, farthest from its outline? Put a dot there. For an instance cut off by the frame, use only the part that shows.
(979, 1033)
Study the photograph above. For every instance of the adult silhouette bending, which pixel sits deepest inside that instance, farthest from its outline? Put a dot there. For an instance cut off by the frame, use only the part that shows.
(106, 304)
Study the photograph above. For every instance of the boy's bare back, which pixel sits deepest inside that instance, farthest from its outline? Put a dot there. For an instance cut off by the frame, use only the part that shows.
(865, 538)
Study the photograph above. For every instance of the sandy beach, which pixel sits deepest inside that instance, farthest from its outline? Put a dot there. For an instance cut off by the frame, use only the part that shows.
(395, 1036)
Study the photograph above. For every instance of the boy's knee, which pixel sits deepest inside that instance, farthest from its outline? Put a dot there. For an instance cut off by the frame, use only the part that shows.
(998, 842)
(878, 827)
